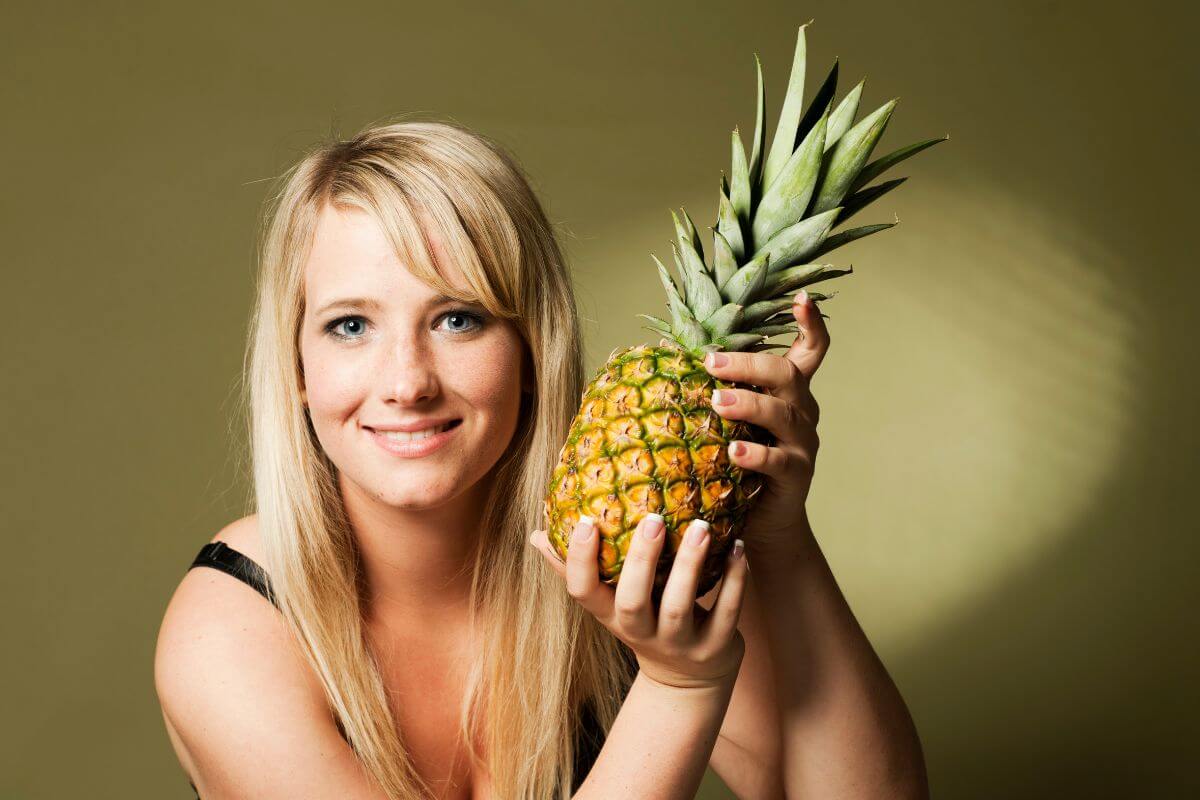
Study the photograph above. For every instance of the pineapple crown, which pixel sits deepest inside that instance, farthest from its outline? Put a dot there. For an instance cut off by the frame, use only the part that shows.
(775, 217)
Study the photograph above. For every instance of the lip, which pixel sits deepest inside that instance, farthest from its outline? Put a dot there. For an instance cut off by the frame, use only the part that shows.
(414, 449)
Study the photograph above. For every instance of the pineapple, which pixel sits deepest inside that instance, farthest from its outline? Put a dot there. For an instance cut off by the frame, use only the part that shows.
(646, 438)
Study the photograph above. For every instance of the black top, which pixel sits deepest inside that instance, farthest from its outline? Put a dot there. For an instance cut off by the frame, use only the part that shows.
(221, 556)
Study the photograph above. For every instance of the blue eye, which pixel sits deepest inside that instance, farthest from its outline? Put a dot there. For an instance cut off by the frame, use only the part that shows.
(462, 318)
(351, 321)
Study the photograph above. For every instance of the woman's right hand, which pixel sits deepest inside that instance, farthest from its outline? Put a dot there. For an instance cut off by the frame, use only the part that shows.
(684, 646)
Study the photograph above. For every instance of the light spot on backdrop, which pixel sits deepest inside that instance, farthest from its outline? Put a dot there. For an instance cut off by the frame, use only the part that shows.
(974, 400)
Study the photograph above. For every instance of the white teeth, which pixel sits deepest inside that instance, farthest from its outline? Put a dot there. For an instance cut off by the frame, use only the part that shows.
(406, 436)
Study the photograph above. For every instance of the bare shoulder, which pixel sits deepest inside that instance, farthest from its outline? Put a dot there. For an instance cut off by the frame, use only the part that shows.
(244, 711)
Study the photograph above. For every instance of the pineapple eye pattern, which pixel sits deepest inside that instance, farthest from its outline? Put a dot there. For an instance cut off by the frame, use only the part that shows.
(647, 440)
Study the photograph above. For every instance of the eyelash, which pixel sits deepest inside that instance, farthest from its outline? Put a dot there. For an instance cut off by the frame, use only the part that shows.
(331, 326)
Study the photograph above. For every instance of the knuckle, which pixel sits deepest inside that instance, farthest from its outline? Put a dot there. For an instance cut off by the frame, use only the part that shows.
(629, 607)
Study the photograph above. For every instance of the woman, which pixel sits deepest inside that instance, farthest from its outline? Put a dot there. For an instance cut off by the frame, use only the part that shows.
(414, 365)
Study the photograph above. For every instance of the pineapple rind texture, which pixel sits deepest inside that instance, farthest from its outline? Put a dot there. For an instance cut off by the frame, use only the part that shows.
(647, 440)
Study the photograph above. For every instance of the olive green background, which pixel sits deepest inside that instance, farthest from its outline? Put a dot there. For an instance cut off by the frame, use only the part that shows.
(1008, 426)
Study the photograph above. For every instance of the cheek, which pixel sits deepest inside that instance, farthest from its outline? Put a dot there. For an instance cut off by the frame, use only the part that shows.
(492, 380)
(332, 384)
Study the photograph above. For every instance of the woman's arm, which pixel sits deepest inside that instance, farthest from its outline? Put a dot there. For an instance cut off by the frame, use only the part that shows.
(843, 729)
(846, 731)
(660, 742)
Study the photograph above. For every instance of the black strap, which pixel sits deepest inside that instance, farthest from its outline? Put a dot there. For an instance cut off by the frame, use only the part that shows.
(221, 556)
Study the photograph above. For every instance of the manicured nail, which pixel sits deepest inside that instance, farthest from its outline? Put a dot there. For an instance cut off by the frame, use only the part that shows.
(584, 528)
(802, 298)
(697, 532)
(738, 548)
(654, 526)
(716, 360)
(721, 398)
(737, 449)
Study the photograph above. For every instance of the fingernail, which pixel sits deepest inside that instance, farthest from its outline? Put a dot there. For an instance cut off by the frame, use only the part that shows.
(737, 448)
(697, 532)
(738, 548)
(802, 298)
(584, 528)
(654, 526)
(721, 398)
(716, 360)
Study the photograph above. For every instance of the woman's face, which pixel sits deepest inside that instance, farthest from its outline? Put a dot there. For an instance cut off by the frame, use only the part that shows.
(383, 352)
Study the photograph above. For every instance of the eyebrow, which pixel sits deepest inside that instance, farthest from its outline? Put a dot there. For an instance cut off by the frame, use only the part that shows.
(366, 302)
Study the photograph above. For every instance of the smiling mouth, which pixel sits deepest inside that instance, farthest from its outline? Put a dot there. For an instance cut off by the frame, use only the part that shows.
(415, 436)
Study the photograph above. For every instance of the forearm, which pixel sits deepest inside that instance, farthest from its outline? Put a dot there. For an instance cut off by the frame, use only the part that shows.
(846, 729)
(660, 743)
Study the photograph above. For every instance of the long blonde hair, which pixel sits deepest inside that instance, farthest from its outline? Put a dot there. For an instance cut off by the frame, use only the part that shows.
(543, 658)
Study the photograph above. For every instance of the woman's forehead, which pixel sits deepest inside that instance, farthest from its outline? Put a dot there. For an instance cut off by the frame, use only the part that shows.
(351, 252)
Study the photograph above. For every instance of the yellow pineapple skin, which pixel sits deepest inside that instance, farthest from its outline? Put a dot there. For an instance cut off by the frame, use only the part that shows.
(646, 439)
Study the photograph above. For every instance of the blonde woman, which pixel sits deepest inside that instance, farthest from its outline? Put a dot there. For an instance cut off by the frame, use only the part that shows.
(381, 628)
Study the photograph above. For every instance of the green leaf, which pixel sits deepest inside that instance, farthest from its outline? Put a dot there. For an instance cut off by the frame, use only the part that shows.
(725, 261)
(847, 236)
(747, 282)
(784, 140)
(693, 236)
(675, 303)
(791, 279)
(760, 311)
(739, 188)
(784, 203)
(775, 330)
(879, 165)
(724, 320)
(796, 243)
(859, 200)
(731, 229)
(848, 156)
(656, 324)
(760, 135)
(739, 341)
(843, 115)
(820, 106)
(700, 293)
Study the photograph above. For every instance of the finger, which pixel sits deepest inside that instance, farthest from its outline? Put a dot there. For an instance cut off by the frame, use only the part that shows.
(779, 463)
(769, 371)
(810, 347)
(786, 420)
(542, 544)
(676, 610)
(632, 607)
(723, 616)
(583, 571)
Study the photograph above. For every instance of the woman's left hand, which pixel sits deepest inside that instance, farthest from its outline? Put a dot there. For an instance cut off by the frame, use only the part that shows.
(788, 410)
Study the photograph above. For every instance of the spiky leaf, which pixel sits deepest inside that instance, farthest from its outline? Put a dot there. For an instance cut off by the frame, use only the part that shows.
(784, 203)
(796, 243)
(725, 260)
(784, 140)
(739, 179)
(723, 321)
(843, 115)
(760, 134)
(860, 199)
(764, 309)
(731, 229)
(847, 236)
(747, 282)
(881, 164)
(792, 278)
(700, 293)
(848, 157)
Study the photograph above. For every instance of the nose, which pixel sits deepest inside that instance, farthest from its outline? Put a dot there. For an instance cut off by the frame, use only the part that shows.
(410, 376)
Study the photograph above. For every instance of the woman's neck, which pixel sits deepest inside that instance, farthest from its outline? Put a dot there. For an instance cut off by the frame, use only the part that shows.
(417, 563)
